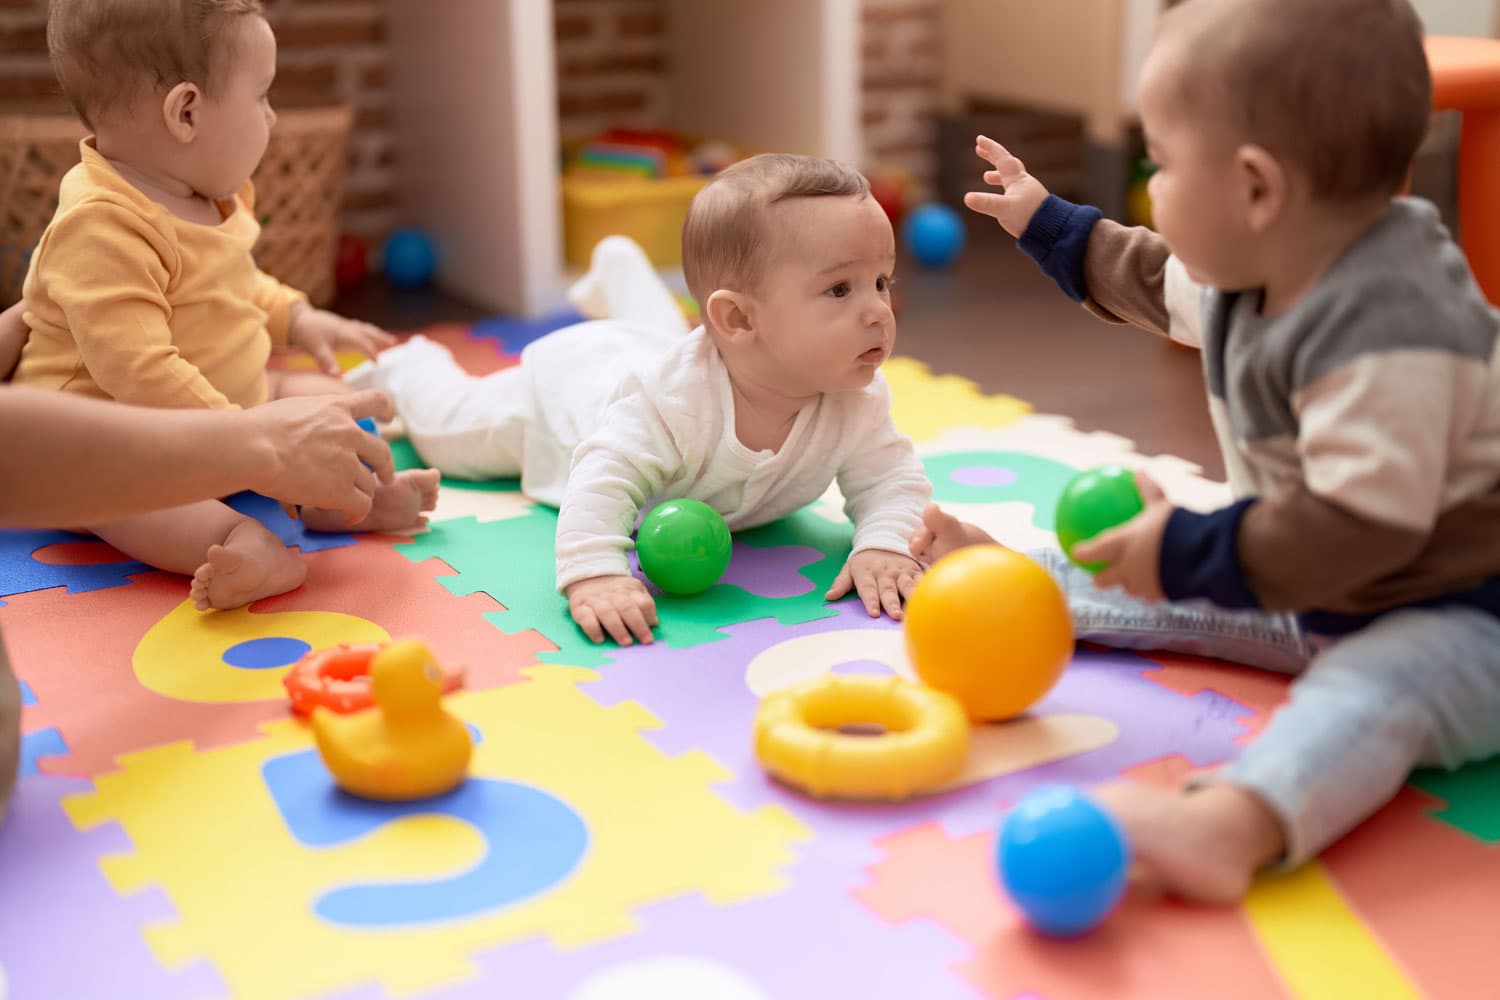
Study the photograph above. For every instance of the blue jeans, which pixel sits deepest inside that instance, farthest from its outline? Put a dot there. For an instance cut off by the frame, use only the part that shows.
(1419, 686)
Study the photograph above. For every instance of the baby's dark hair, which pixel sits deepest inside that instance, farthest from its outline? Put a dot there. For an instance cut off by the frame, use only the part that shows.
(1340, 88)
(726, 237)
(105, 52)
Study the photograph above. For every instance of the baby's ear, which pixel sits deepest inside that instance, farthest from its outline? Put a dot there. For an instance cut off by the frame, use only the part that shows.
(180, 110)
(729, 314)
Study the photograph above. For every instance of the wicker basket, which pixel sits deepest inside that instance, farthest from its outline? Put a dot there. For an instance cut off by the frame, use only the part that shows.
(299, 189)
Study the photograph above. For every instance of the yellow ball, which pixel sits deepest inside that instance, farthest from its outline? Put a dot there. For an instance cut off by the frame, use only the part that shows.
(990, 627)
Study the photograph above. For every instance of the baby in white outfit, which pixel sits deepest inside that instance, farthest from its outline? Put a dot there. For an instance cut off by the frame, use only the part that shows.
(755, 413)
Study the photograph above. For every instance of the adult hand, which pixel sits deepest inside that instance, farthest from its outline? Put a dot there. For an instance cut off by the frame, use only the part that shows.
(315, 455)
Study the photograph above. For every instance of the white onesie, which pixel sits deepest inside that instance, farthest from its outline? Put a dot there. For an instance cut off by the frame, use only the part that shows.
(606, 419)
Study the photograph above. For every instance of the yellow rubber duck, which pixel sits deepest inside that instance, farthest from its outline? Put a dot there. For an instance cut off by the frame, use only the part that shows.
(407, 746)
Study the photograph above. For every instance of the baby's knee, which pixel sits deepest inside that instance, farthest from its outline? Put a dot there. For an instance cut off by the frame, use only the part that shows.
(1430, 680)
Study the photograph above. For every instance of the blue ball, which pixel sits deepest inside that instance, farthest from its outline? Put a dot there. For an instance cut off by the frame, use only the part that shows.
(1062, 859)
(409, 258)
(934, 234)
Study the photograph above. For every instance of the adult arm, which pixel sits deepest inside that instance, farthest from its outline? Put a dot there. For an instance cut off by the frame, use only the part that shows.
(70, 460)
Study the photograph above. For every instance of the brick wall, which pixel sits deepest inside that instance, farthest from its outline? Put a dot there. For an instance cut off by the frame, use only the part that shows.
(329, 49)
(902, 52)
(613, 58)
(612, 64)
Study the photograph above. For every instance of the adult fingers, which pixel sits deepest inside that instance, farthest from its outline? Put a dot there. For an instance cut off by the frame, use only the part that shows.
(369, 403)
(376, 454)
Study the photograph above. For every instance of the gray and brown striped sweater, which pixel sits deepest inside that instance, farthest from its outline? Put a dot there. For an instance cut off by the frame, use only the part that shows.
(1360, 429)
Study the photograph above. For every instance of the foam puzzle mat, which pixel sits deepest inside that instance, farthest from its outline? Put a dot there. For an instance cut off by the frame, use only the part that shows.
(174, 834)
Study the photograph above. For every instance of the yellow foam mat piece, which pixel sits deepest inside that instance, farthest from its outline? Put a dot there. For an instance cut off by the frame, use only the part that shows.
(208, 831)
(924, 405)
(1319, 945)
(180, 656)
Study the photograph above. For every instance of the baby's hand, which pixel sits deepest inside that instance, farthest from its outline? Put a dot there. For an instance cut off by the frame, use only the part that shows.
(1021, 194)
(13, 334)
(322, 334)
(882, 578)
(619, 605)
(1132, 552)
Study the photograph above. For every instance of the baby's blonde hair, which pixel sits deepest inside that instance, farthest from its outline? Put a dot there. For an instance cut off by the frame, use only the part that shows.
(727, 239)
(1340, 88)
(105, 52)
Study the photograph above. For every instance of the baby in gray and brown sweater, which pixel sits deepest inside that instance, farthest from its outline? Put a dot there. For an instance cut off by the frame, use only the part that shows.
(1353, 371)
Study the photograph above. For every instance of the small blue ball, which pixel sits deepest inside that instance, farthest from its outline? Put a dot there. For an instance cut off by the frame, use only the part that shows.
(409, 258)
(1063, 860)
(934, 234)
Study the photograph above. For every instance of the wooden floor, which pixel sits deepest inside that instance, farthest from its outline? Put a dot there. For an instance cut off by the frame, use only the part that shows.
(995, 319)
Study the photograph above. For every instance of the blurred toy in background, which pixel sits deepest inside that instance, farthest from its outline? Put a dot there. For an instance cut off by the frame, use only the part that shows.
(353, 264)
(690, 308)
(708, 158)
(636, 183)
(650, 154)
(1138, 194)
(934, 233)
(409, 258)
(889, 186)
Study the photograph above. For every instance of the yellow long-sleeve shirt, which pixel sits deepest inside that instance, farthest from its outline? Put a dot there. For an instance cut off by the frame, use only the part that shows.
(127, 301)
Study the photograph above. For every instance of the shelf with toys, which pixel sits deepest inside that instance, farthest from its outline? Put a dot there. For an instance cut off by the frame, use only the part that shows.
(478, 136)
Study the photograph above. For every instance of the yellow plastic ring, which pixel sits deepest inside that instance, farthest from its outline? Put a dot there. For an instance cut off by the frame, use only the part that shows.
(926, 737)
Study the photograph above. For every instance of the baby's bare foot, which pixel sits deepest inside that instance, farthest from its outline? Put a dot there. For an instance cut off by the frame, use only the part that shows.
(251, 564)
(942, 533)
(401, 505)
(1203, 845)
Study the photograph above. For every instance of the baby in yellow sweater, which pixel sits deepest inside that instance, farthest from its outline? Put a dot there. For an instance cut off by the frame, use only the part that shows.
(143, 288)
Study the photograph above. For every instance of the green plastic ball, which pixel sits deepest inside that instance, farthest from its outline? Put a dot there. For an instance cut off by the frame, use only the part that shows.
(1092, 503)
(683, 546)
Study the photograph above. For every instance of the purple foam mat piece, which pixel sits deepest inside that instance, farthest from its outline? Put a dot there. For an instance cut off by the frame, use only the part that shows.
(811, 942)
(1153, 721)
(52, 885)
(771, 572)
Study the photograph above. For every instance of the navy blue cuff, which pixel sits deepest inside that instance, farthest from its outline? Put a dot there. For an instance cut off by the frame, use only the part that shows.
(1199, 557)
(1057, 239)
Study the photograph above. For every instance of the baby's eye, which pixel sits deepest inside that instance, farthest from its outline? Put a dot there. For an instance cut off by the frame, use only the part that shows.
(884, 283)
(840, 290)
